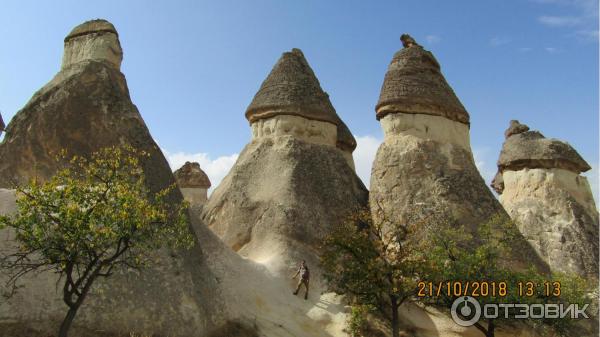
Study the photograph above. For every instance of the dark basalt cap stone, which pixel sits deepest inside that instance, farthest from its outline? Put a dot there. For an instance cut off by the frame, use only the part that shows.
(530, 149)
(414, 84)
(291, 88)
(2, 125)
(90, 27)
(190, 175)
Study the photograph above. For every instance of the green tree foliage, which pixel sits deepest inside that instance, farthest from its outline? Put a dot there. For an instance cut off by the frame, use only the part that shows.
(457, 256)
(375, 263)
(358, 320)
(379, 264)
(92, 218)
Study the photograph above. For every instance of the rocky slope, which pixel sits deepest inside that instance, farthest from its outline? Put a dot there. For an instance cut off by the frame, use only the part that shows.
(206, 291)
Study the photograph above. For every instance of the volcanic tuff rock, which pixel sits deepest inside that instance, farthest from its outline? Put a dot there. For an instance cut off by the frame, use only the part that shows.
(193, 183)
(292, 181)
(85, 107)
(191, 175)
(293, 89)
(414, 84)
(425, 160)
(530, 149)
(207, 291)
(540, 186)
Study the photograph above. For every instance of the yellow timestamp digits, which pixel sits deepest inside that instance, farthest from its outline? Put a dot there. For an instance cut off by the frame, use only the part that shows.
(457, 288)
(529, 289)
(488, 289)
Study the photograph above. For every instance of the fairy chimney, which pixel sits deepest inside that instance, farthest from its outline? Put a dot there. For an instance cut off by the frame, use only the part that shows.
(291, 102)
(85, 107)
(294, 179)
(541, 187)
(96, 40)
(425, 164)
(193, 183)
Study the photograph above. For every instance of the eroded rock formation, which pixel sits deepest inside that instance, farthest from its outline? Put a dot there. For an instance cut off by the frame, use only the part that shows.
(193, 183)
(294, 179)
(206, 291)
(541, 187)
(426, 157)
(85, 107)
(425, 164)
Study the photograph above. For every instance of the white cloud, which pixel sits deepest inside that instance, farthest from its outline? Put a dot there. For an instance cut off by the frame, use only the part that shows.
(216, 169)
(485, 164)
(587, 8)
(585, 19)
(560, 21)
(432, 39)
(499, 41)
(551, 50)
(587, 34)
(364, 156)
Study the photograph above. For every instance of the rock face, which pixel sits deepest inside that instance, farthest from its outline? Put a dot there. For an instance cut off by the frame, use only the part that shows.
(425, 161)
(426, 155)
(193, 183)
(86, 106)
(294, 179)
(540, 186)
(292, 89)
(414, 84)
(211, 292)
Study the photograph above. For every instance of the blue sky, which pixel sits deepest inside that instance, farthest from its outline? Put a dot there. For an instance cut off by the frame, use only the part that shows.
(194, 66)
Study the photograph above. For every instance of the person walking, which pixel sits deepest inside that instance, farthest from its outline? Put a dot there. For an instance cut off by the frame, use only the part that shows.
(304, 280)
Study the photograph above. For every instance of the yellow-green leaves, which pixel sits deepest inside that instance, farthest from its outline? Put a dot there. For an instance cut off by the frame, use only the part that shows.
(97, 211)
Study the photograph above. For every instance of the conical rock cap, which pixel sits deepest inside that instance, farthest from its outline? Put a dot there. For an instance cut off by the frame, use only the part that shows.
(190, 175)
(530, 149)
(90, 27)
(291, 88)
(414, 84)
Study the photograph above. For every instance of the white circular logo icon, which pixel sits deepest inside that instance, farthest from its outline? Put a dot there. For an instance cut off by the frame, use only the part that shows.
(465, 311)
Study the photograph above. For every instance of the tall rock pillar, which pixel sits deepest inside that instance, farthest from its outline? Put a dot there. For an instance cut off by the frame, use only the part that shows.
(294, 180)
(85, 107)
(541, 187)
(193, 183)
(425, 159)
(425, 163)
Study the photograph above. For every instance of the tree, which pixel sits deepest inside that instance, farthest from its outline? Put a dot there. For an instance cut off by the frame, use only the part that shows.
(380, 264)
(487, 260)
(92, 218)
(376, 263)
